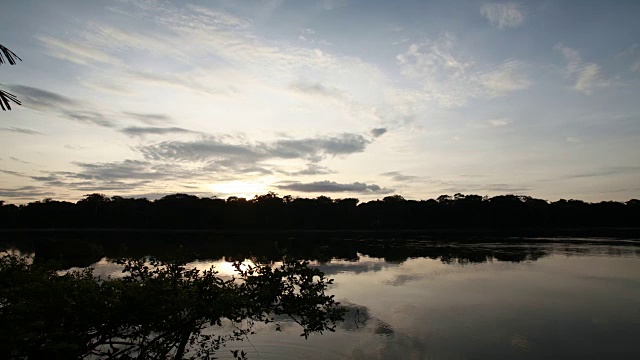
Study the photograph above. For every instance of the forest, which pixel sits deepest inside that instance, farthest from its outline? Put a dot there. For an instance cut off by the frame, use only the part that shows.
(272, 212)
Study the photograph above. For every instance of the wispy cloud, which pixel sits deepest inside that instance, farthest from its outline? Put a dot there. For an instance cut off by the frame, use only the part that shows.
(317, 89)
(26, 192)
(334, 187)
(229, 60)
(19, 160)
(136, 131)
(310, 169)
(10, 172)
(451, 78)
(47, 101)
(508, 77)
(503, 15)
(76, 52)
(587, 76)
(432, 58)
(127, 169)
(398, 176)
(123, 176)
(600, 171)
(607, 171)
(499, 122)
(21, 131)
(631, 54)
(149, 118)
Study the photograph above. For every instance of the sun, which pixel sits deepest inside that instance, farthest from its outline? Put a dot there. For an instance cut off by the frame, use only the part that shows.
(245, 189)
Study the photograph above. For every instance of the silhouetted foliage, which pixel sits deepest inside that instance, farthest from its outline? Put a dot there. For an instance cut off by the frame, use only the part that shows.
(7, 56)
(270, 211)
(157, 310)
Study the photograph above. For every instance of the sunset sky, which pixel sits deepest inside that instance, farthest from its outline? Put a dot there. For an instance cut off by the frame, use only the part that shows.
(342, 98)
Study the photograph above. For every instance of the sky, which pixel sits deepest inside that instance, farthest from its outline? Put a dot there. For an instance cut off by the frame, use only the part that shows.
(343, 98)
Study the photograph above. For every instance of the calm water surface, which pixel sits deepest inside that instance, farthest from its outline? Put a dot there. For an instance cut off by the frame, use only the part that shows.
(551, 298)
(472, 301)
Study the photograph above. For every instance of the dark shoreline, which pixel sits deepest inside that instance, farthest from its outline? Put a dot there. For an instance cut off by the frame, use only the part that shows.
(622, 233)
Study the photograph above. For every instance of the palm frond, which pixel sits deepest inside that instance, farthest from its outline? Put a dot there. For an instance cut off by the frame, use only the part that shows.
(7, 55)
(5, 99)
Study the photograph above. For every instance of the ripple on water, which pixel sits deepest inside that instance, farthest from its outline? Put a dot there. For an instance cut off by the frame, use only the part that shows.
(281, 348)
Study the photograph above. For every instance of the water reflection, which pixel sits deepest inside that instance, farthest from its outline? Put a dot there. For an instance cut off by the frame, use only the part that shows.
(81, 249)
(433, 299)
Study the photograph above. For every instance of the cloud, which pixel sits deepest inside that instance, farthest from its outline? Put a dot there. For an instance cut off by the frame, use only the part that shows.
(311, 169)
(14, 173)
(500, 122)
(21, 131)
(18, 160)
(587, 76)
(334, 187)
(231, 60)
(76, 52)
(439, 70)
(450, 78)
(149, 118)
(88, 117)
(607, 171)
(397, 176)
(317, 89)
(127, 169)
(220, 151)
(508, 77)
(377, 132)
(43, 98)
(432, 58)
(503, 15)
(47, 101)
(26, 192)
(124, 176)
(632, 54)
(101, 174)
(134, 131)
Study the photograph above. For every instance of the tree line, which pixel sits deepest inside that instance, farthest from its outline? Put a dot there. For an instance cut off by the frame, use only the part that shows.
(270, 211)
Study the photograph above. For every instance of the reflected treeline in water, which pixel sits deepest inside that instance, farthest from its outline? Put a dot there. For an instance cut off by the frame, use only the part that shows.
(81, 249)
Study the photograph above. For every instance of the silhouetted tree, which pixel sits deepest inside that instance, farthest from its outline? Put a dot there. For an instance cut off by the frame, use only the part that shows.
(7, 56)
(158, 310)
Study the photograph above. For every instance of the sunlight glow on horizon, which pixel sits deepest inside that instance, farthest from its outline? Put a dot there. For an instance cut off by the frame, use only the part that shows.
(240, 188)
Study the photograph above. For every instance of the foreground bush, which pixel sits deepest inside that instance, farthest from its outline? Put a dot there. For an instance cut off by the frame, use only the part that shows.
(158, 310)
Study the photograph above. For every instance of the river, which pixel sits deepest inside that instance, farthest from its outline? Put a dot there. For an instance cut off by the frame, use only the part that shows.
(436, 298)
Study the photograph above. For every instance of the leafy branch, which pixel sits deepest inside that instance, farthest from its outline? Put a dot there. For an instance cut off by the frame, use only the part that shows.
(7, 56)
(157, 310)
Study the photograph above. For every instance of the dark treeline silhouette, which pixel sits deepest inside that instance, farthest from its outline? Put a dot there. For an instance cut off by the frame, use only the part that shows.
(270, 211)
